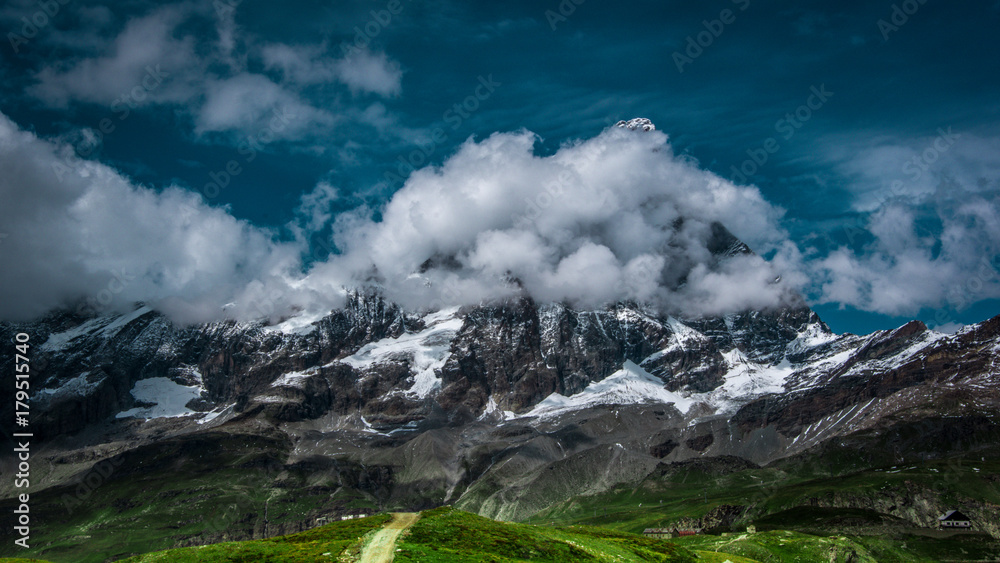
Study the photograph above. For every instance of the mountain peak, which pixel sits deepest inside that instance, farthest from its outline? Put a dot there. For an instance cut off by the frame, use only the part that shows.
(637, 124)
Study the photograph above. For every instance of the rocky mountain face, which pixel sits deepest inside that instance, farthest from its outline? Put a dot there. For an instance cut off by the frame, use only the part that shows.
(506, 409)
(760, 385)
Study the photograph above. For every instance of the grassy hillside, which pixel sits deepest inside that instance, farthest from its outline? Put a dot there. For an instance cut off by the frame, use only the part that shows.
(770, 496)
(790, 547)
(445, 535)
(325, 543)
(185, 492)
(219, 486)
(449, 535)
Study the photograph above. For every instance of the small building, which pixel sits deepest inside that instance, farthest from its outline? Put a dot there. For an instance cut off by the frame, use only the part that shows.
(658, 533)
(681, 533)
(353, 516)
(954, 519)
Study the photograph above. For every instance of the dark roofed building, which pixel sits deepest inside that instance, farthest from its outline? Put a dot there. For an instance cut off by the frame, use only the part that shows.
(954, 519)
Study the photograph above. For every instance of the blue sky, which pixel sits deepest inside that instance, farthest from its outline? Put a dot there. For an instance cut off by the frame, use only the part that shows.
(887, 175)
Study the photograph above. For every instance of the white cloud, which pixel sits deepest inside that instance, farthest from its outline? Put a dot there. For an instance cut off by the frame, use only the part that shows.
(80, 230)
(933, 225)
(882, 168)
(146, 47)
(303, 64)
(151, 62)
(315, 206)
(252, 103)
(904, 269)
(614, 217)
(361, 70)
(595, 222)
(364, 71)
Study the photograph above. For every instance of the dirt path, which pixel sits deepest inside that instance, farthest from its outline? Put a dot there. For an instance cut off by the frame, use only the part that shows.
(382, 547)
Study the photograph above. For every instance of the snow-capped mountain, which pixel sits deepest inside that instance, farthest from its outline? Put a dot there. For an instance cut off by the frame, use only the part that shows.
(506, 408)
(373, 370)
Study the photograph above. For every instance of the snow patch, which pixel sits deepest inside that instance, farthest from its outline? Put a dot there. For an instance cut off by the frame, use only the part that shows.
(427, 351)
(79, 386)
(102, 326)
(745, 380)
(216, 413)
(812, 336)
(170, 399)
(493, 410)
(627, 386)
(682, 336)
(295, 379)
(59, 340)
(301, 324)
(112, 328)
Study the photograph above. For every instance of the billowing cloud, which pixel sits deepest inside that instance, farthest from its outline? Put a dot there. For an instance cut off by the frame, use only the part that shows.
(80, 234)
(618, 216)
(929, 232)
(364, 71)
(614, 217)
(944, 255)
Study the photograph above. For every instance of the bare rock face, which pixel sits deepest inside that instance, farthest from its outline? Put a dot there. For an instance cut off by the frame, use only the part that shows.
(637, 124)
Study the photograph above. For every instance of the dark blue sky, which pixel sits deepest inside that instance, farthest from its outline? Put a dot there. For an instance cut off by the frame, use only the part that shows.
(891, 91)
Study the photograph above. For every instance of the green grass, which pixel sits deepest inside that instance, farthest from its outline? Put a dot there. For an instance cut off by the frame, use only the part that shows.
(781, 546)
(180, 493)
(214, 488)
(716, 557)
(449, 535)
(778, 500)
(773, 494)
(445, 535)
(325, 543)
